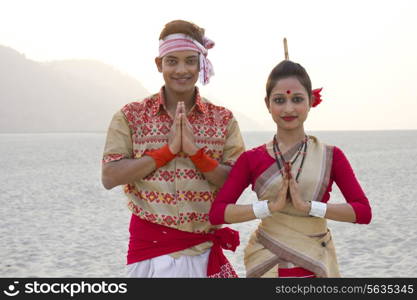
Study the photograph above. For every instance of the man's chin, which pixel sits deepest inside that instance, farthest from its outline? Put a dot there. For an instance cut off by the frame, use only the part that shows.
(181, 89)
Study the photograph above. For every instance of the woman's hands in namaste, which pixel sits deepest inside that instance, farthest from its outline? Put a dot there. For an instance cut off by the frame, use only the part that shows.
(288, 192)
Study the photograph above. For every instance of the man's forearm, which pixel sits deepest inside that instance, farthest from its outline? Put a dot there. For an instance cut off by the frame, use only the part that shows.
(218, 176)
(126, 170)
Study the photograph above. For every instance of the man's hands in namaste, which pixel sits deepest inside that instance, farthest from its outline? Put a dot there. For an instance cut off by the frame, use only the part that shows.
(181, 136)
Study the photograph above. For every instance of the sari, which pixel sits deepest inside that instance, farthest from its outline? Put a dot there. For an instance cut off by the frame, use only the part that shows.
(290, 237)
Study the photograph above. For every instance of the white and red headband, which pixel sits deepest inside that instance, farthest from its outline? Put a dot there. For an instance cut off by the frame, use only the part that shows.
(182, 42)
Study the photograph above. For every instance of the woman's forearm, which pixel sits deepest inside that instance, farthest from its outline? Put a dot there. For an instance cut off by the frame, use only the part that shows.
(342, 212)
(236, 213)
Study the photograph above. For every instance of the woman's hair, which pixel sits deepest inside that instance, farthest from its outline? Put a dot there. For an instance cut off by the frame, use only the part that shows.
(285, 69)
(180, 26)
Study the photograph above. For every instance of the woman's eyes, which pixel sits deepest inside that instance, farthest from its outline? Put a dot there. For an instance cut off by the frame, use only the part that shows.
(295, 99)
(279, 100)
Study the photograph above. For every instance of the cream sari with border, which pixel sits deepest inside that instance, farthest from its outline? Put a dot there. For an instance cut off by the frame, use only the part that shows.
(290, 236)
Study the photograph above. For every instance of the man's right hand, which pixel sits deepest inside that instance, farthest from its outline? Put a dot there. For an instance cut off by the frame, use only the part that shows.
(174, 136)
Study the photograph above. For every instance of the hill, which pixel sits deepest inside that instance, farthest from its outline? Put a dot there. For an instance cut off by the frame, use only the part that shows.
(70, 95)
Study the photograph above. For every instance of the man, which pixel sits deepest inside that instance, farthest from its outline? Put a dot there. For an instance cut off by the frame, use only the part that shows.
(173, 151)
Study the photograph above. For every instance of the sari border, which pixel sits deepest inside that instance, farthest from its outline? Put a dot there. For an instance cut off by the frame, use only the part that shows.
(327, 167)
(285, 253)
(272, 172)
(262, 268)
(263, 181)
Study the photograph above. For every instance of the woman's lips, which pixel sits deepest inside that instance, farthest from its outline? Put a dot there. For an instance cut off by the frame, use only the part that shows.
(289, 119)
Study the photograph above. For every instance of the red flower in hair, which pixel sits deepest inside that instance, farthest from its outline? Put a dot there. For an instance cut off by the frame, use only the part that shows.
(316, 97)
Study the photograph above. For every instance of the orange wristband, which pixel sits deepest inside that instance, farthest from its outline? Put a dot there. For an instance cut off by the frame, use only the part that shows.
(162, 156)
(203, 162)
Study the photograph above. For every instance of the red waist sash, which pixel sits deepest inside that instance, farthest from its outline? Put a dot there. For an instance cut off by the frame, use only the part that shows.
(148, 240)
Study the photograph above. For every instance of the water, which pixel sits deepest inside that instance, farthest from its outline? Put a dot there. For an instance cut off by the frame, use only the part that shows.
(56, 220)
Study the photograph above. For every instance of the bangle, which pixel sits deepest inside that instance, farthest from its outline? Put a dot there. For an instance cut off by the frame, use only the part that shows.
(162, 156)
(318, 209)
(261, 209)
(203, 162)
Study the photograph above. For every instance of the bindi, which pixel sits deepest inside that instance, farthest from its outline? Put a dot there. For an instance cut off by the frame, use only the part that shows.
(288, 92)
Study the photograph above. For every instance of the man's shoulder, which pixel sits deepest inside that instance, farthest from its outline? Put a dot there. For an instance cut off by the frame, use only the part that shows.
(140, 104)
(214, 108)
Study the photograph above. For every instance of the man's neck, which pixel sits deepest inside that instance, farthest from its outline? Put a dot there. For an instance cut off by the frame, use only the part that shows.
(172, 99)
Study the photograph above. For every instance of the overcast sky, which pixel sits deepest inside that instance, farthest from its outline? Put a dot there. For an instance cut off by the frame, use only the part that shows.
(363, 53)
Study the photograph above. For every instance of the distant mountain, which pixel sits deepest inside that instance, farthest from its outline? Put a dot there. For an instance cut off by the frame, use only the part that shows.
(245, 123)
(71, 95)
(67, 96)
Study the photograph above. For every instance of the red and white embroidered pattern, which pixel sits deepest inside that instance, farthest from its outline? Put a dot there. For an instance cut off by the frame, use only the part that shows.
(171, 175)
(169, 220)
(160, 197)
(112, 157)
(226, 271)
(177, 194)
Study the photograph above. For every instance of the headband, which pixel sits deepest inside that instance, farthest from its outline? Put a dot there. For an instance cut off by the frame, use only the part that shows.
(182, 42)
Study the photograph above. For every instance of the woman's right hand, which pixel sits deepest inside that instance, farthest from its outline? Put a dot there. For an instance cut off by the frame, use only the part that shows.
(279, 203)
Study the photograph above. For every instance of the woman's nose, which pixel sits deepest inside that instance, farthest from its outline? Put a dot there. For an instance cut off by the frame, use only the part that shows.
(288, 106)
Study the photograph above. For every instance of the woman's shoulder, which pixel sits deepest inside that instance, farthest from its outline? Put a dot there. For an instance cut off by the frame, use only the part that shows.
(253, 161)
(253, 153)
(258, 150)
(335, 151)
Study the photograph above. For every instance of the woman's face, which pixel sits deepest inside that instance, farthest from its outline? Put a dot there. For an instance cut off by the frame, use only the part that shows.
(288, 104)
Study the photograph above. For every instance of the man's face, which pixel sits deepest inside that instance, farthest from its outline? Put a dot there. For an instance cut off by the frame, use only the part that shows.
(180, 70)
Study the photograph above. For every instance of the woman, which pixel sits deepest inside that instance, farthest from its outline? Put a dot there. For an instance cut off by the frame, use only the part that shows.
(292, 176)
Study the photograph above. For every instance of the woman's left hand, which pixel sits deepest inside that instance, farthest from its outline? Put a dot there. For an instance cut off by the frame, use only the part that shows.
(297, 202)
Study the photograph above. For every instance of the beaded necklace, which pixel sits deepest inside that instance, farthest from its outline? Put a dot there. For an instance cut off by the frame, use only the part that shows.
(286, 164)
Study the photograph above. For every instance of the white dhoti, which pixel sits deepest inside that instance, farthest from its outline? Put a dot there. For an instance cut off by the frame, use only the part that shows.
(185, 266)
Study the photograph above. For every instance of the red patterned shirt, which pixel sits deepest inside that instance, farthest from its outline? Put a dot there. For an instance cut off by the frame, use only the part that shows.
(176, 195)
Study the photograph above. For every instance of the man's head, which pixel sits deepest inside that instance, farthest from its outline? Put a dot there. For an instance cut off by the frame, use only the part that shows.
(179, 26)
(183, 56)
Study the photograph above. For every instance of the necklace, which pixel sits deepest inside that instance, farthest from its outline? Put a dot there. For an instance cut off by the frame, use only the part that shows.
(286, 164)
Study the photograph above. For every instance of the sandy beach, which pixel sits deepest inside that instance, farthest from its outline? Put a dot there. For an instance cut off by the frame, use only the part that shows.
(57, 220)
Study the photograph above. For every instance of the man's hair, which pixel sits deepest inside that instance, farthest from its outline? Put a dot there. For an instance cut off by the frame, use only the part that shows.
(185, 27)
(285, 69)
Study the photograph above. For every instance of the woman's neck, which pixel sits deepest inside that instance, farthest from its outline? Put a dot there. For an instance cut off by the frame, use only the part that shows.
(288, 138)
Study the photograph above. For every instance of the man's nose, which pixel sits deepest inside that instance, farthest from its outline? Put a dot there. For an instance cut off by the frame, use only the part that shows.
(181, 68)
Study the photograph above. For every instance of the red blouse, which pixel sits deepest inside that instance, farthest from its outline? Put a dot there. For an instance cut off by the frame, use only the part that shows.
(254, 162)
